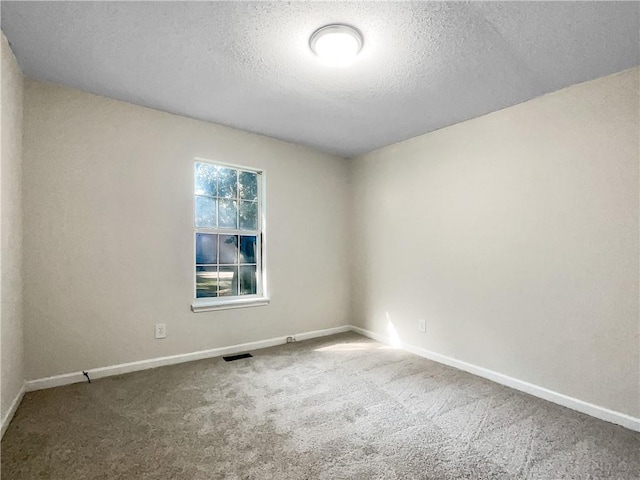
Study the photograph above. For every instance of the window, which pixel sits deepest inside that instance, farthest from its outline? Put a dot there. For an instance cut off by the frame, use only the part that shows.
(228, 221)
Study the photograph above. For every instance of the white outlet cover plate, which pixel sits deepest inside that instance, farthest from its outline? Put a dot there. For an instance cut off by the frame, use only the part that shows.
(422, 326)
(161, 330)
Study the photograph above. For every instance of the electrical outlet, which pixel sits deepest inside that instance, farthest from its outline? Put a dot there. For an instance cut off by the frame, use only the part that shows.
(422, 325)
(161, 330)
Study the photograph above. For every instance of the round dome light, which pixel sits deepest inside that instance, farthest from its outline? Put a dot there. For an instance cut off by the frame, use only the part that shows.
(336, 45)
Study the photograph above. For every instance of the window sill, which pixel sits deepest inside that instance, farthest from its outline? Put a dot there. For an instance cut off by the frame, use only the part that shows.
(207, 305)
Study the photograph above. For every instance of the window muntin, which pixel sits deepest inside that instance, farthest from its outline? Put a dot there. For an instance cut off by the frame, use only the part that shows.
(228, 232)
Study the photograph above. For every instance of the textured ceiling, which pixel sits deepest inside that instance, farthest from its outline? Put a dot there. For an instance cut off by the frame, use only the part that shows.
(247, 64)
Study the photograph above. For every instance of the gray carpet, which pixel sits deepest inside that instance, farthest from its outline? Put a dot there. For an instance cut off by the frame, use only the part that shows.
(341, 407)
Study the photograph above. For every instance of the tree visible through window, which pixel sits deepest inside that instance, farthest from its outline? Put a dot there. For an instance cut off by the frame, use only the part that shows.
(228, 233)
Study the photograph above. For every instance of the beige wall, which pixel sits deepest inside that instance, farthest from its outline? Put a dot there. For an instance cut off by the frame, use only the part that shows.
(109, 231)
(11, 328)
(515, 235)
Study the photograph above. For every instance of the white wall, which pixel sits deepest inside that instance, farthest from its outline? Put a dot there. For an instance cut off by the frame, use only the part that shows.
(11, 329)
(109, 233)
(515, 235)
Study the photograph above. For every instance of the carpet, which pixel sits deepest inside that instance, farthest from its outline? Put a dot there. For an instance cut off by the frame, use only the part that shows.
(340, 407)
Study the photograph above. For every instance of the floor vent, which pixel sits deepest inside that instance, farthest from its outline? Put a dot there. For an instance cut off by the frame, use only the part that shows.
(231, 358)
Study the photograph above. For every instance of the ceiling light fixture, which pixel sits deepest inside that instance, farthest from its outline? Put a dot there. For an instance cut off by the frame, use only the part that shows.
(336, 45)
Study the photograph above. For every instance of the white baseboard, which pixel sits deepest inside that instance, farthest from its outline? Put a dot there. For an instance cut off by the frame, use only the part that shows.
(12, 411)
(322, 333)
(95, 373)
(602, 413)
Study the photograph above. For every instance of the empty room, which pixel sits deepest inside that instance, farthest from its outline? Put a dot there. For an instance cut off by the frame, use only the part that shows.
(320, 240)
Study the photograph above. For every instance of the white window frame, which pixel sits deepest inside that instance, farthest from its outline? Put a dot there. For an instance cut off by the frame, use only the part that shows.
(237, 301)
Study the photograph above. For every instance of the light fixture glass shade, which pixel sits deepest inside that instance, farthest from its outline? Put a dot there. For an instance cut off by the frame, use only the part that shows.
(336, 45)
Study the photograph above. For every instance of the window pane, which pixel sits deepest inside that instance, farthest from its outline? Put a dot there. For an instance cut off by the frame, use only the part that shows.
(247, 249)
(248, 215)
(206, 179)
(228, 249)
(205, 212)
(248, 282)
(226, 200)
(248, 186)
(206, 282)
(227, 214)
(206, 248)
(227, 182)
(228, 281)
